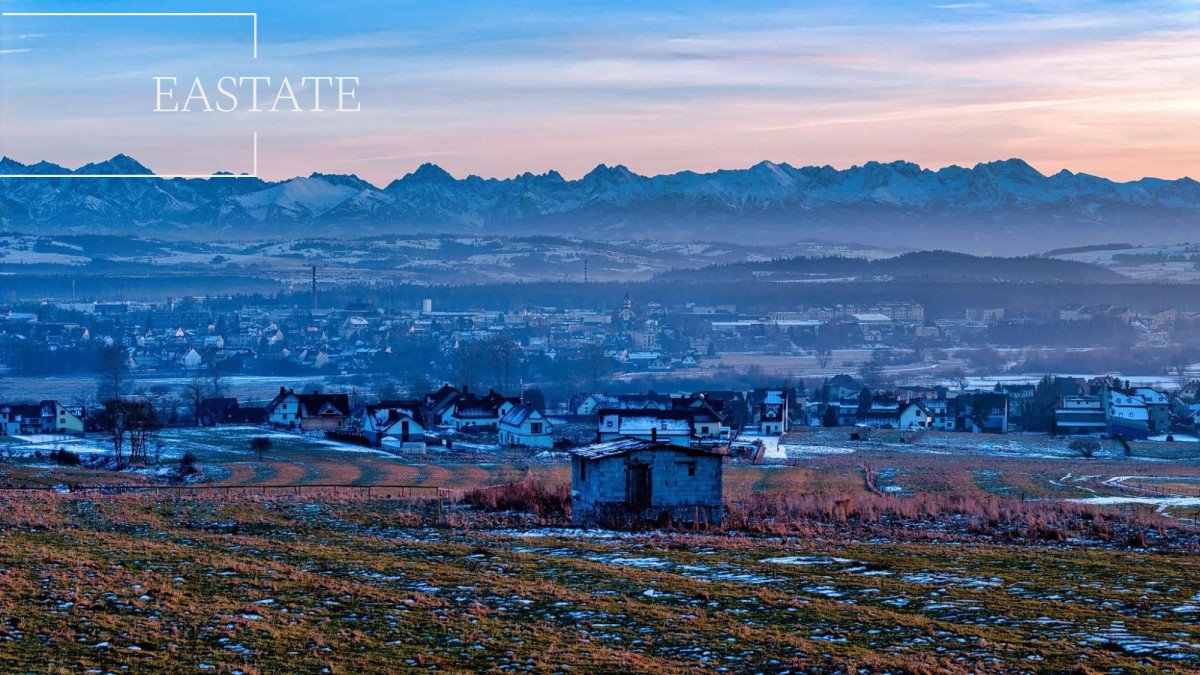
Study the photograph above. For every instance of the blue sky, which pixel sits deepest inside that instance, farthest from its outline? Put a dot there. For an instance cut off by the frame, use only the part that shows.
(500, 88)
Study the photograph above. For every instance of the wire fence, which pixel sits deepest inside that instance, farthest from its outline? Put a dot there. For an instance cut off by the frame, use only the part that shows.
(307, 490)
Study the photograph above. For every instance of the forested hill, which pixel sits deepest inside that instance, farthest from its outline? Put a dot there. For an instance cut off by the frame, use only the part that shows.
(923, 265)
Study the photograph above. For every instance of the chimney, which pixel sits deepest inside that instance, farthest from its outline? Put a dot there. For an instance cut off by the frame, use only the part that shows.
(653, 434)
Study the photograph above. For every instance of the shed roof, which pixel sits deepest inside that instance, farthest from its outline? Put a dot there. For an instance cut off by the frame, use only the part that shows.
(622, 446)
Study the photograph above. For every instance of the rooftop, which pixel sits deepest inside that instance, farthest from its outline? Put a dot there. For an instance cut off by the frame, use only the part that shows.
(623, 446)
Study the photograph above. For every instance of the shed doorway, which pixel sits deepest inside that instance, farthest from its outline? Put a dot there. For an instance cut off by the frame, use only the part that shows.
(639, 486)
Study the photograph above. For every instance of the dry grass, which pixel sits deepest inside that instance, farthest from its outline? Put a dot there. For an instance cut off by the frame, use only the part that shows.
(549, 502)
(285, 585)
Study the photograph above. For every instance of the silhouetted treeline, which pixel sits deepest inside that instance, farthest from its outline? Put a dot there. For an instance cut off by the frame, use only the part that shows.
(941, 299)
(942, 265)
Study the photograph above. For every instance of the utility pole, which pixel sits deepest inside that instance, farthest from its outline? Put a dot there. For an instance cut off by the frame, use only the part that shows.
(314, 288)
(585, 270)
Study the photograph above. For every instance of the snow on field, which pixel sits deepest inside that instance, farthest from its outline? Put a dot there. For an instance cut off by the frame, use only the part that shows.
(821, 441)
(1152, 501)
(989, 381)
(45, 443)
(771, 449)
(807, 560)
(41, 258)
(203, 442)
(801, 449)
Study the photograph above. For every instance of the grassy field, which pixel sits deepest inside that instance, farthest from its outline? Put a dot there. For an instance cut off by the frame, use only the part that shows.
(889, 557)
(257, 586)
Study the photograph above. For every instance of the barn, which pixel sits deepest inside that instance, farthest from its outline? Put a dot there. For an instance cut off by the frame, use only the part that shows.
(632, 480)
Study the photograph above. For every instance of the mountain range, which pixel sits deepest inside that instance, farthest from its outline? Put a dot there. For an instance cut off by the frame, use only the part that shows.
(994, 207)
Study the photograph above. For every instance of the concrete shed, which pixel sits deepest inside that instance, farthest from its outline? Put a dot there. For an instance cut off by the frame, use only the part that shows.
(628, 480)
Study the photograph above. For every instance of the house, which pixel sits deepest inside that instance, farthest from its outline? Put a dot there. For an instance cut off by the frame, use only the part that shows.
(1126, 415)
(916, 393)
(1158, 406)
(222, 410)
(709, 421)
(308, 411)
(402, 421)
(589, 404)
(772, 414)
(840, 413)
(914, 416)
(1073, 312)
(881, 414)
(1164, 318)
(1190, 415)
(980, 412)
(678, 427)
(628, 480)
(440, 403)
(191, 360)
(1017, 393)
(841, 387)
(942, 418)
(47, 417)
(480, 413)
(731, 404)
(647, 401)
(1080, 415)
(525, 426)
(774, 410)
(1190, 391)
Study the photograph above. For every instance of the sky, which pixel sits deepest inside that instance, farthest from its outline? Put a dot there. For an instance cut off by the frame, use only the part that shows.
(499, 88)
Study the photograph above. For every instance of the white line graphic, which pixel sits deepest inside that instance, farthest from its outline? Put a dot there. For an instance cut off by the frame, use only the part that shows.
(254, 23)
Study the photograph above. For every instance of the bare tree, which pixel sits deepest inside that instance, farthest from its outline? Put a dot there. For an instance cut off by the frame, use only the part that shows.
(1179, 368)
(960, 377)
(112, 420)
(872, 375)
(164, 401)
(824, 358)
(112, 369)
(215, 370)
(194, 393)
(468, 364)
(501, 356)
(597, 365)
(141, 420)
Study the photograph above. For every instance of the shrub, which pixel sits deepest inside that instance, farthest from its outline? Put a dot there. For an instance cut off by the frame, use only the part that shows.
(1000, 518)
(1086, 447)
(187, 463)
(260, 445)
(64, 457)
(528, 496)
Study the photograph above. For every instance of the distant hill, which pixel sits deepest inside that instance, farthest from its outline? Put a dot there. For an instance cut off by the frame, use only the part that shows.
(924, 266)
(995, 207)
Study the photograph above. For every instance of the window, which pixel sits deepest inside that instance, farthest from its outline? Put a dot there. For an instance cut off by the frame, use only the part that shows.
(535, 427)
(691, 468)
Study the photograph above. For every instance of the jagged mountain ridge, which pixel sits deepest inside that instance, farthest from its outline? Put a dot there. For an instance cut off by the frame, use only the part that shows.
(992, 206)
